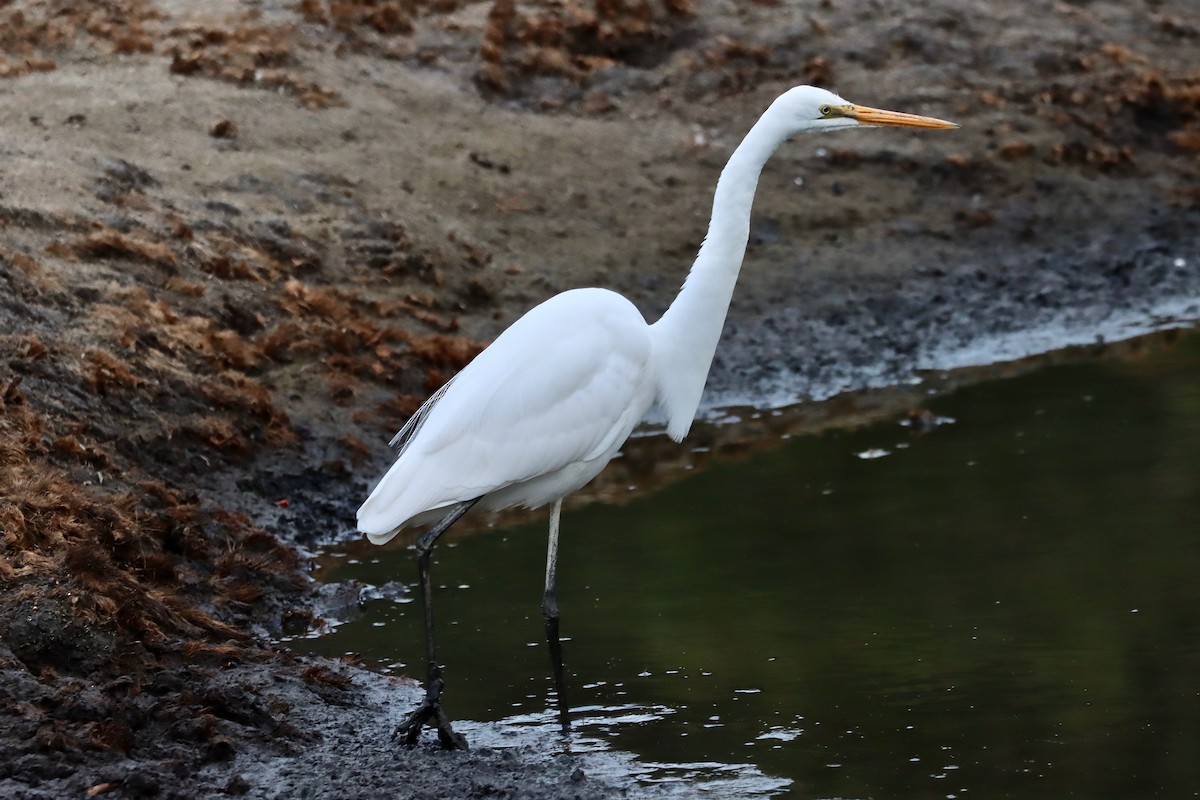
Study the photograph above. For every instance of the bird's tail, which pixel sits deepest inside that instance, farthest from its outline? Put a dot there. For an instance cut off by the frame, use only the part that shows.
(389, 510)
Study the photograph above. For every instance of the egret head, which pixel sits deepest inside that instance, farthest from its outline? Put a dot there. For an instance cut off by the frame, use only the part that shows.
(806, 108)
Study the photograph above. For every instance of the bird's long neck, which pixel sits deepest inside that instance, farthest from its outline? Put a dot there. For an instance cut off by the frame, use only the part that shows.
(687, 334)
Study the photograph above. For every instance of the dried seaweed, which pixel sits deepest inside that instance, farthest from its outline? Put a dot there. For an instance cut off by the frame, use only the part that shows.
(572, 40)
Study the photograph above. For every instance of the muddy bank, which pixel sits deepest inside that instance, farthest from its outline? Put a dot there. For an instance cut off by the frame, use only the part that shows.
(239, 245)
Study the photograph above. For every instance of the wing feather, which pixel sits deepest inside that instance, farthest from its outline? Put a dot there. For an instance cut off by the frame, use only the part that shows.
(404, 437)
(557, 388)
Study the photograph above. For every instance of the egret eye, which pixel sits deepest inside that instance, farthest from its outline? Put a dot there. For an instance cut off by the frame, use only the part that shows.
(826, 111)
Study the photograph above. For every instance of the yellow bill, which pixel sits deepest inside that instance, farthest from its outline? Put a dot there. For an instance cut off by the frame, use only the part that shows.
(877, 116)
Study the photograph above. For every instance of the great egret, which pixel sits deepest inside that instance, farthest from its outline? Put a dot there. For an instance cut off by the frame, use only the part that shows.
(541, 411)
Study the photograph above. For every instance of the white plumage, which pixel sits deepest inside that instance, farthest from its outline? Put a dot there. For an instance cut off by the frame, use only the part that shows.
(541, 411)
(585, 363)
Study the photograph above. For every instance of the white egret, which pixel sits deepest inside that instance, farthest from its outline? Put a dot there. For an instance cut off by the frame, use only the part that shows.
(541, 411)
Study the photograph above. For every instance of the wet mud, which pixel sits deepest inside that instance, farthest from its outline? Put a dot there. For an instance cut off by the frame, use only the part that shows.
(240, 243)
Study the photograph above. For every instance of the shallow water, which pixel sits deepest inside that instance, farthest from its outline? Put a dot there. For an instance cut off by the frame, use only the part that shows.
(1006, 605)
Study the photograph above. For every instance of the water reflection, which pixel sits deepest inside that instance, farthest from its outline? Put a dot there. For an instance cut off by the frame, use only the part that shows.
(1004, 605)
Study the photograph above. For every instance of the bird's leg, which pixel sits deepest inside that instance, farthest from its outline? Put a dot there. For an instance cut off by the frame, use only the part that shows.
(550, 617)
(430, 710)
(549, 599)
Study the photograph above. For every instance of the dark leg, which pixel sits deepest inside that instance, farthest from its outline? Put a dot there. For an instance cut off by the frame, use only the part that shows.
(550, 618)
(430, 710)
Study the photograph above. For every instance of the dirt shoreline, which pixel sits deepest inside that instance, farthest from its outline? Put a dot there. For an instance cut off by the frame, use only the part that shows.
(239, 244)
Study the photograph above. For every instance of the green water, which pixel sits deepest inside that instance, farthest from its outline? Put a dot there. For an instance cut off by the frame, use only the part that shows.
(1005, 606)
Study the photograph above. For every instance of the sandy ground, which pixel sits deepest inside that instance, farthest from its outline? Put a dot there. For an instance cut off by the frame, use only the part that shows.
(240, 242)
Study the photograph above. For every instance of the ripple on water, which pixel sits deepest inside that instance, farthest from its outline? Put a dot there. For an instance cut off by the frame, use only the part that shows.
(588, 739)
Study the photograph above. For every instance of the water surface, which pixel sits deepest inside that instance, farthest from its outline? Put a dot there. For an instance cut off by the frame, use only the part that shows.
(1004, 606)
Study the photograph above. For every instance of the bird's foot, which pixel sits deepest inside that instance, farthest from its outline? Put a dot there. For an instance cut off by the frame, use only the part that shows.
(430, 713)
